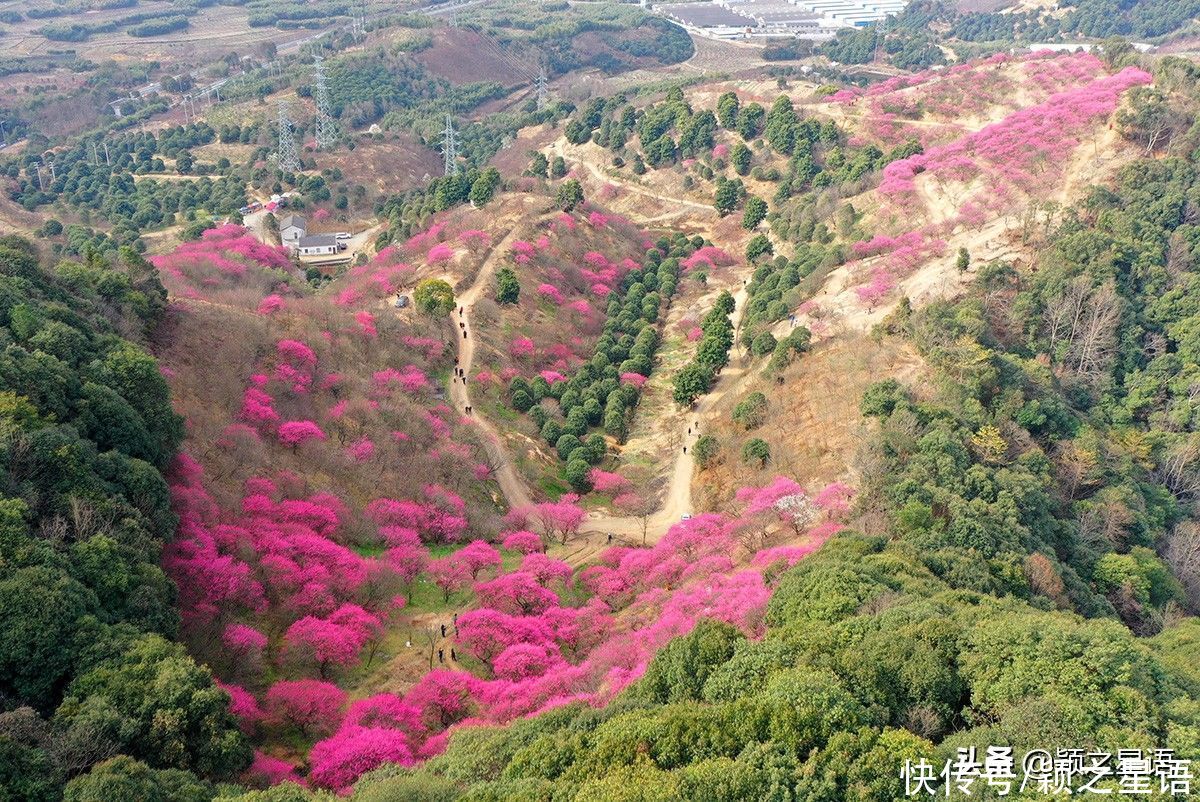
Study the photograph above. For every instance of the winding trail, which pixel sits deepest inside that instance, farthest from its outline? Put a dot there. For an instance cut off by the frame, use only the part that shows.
(676, 205)
(511, 485)
(593, 534)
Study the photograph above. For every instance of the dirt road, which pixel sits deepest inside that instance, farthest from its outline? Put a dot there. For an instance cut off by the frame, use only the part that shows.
(514, 490)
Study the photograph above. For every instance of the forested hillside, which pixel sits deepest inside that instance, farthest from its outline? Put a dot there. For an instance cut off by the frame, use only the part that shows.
(88, 666)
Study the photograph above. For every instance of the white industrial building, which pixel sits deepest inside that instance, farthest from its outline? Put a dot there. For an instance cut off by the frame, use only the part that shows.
(808, 19)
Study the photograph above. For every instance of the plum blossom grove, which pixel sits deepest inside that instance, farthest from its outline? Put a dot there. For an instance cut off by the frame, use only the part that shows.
(294, 564)
(987, 173)
(912, 107)
(536, 653)
(312, 607)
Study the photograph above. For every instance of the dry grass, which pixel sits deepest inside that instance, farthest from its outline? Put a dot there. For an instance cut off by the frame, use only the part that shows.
(386, 166)
(813, 427)
(461, 56)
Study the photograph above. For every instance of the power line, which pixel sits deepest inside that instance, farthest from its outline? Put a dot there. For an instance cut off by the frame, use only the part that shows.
(287, 157)
(450, 148)
(543, 94)
(327, 132)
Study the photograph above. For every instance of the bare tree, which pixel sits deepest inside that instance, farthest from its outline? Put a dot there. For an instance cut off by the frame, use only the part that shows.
(1081, 326)
(1183, 555)
(1180, 470)
(430, 633)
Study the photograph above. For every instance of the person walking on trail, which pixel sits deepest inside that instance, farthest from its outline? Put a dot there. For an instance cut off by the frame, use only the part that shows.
(443, 630)
(453, 656)
(441, 656)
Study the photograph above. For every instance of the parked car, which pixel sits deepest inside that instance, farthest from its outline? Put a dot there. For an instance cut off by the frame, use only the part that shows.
(401, 301)
(342, 235)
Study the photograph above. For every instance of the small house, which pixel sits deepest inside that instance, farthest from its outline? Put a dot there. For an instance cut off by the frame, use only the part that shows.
(318, 245)
(292, 229)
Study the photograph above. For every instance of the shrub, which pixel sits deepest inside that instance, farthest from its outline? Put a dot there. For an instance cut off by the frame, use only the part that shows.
(763, 344)
(434, 297)
(751, 412)
(706, 450)
(756, 451)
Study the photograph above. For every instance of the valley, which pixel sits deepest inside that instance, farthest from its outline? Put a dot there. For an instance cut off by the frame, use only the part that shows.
(542, 401)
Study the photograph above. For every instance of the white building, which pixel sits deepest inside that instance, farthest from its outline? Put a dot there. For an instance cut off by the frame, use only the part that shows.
(318, 245)
(292, 228)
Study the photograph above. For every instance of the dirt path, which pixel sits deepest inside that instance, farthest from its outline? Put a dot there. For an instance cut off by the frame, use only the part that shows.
(593, 535)
(676, 206)
(511, 485)
(678, 499)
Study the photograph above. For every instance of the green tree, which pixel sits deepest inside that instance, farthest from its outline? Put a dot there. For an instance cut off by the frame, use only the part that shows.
(484, 187)
(751, 412)
(679, 671)
(160, 707)
(40, 612)
(750, 121)
(123, 779)
(508, 288)
(691, 382)
(727, 197)
(740, 157)
(763, 344)
(963, 261)
(566, 444)
(434, 297)
(558, 167)
(727, 110)
(781, 125)
(759, 245)
(576, 474)
(569, 195)
(661, 151)
(521, 401)
(705, 450)
(755, 213)
(539, 166)
(756, 451)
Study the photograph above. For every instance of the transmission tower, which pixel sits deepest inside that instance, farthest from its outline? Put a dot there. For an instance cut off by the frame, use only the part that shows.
(450, 147)
(326, 133)
(360, 19)
(289, 160)
(543, 93)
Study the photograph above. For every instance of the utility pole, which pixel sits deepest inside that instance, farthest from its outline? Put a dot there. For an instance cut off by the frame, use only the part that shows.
(450, 148)
(107, 160)
(326, 133)
(543, 94)
(289, 160)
